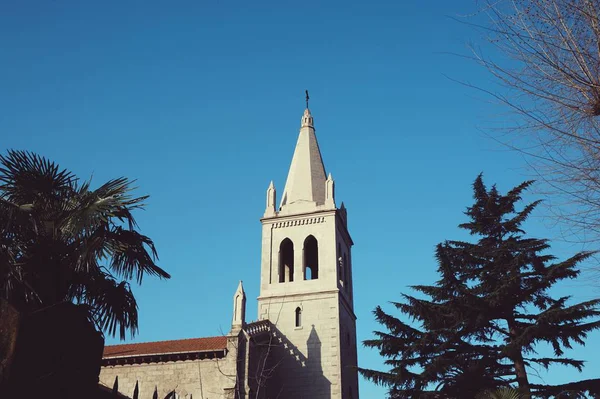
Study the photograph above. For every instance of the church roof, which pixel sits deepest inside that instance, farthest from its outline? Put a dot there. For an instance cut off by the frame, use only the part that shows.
(192, 345)
(306, 177)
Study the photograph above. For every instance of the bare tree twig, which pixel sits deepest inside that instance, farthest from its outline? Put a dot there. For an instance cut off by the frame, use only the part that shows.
(550, 78)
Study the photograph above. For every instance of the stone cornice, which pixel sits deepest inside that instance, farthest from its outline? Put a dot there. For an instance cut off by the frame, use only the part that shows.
(163, 357)
(299, 222)
(339, 292)
(298, 216)
(304, 294)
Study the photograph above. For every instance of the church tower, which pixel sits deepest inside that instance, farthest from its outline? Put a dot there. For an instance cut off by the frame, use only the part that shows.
(306, 278)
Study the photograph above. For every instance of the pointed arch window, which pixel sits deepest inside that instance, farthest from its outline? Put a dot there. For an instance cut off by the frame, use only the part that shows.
(286, 261)
(311, 258)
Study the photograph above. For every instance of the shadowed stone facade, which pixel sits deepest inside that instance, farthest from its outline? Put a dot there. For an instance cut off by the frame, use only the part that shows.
(304, 344)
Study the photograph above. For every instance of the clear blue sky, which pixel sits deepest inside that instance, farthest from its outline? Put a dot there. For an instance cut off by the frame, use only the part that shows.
(201, 103)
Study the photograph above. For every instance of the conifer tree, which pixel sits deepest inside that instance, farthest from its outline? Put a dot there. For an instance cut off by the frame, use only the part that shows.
(478, 326)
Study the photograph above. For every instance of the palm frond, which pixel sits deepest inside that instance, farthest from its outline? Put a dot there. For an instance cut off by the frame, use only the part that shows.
(58, 237)
(27, 177)
(501, 393)
(111, 200)
(113, 304)
(130, 256)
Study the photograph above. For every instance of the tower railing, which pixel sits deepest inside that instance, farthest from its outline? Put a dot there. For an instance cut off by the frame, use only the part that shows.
(257, 327)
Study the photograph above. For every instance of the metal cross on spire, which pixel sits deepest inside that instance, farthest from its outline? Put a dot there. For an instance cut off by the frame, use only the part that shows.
(307, 98)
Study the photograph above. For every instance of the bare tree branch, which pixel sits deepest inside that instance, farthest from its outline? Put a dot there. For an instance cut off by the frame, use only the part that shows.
(550, 78)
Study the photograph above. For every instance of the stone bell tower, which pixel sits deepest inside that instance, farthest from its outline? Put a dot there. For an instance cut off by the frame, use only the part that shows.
(306, 278)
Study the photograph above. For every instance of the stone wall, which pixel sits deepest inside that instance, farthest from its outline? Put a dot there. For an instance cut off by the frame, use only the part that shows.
(310, 361)
(305, 359)
(348, 355)
(204, 379)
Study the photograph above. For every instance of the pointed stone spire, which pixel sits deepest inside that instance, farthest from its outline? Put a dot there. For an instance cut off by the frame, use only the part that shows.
(271, 200)
(305, 183)
(307, 119)
(330, 192)
(344, 213)
(239, 308)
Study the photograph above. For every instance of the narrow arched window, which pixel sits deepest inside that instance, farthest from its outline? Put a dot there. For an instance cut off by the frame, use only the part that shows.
(298, 317)
(286, 261)
(311, 258)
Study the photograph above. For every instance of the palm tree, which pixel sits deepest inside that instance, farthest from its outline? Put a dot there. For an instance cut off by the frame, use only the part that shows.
(62, 241)
(502, 393)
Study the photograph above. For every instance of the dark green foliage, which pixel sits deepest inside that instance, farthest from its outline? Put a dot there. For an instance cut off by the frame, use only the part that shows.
(479, 326)
(61, 241)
